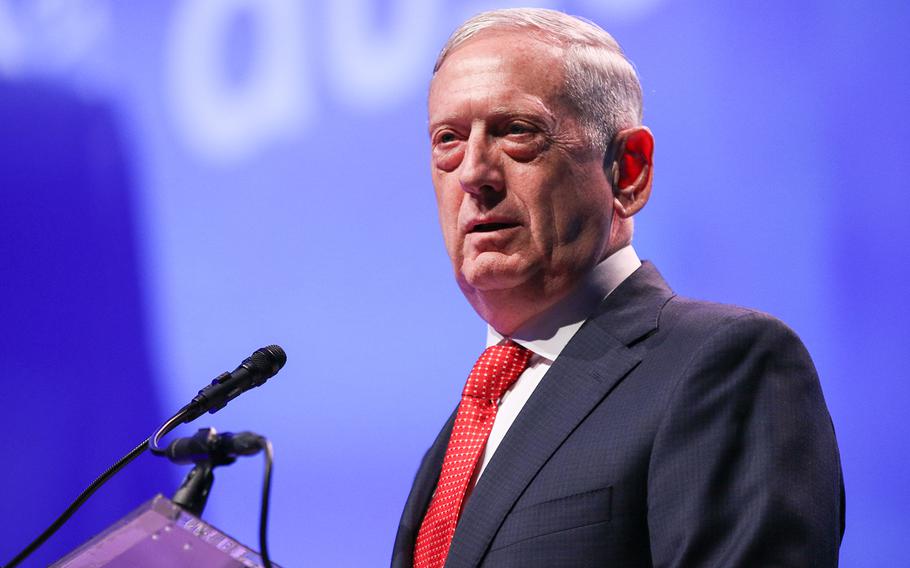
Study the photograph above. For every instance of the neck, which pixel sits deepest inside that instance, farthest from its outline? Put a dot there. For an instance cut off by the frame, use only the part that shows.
(533, 313)
(508, 310)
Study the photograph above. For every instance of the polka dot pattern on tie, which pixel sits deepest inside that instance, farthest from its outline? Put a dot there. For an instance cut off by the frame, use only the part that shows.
(494, 372)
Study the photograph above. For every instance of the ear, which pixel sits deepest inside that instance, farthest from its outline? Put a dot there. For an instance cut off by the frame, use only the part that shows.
(631, 154)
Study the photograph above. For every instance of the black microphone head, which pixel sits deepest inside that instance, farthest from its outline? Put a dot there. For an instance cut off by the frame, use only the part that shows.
(267, 361)
(254, 371)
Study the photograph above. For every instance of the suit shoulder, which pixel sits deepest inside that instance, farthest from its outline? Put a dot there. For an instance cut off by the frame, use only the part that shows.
(702, 336)
(699, 318)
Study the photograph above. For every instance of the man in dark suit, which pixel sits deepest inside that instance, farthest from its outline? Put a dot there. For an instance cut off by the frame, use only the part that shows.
(609, 422)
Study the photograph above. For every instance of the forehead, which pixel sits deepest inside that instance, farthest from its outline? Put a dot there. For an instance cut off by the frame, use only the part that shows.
(499, 69)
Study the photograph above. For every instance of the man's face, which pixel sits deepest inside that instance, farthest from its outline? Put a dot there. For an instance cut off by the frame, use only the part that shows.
(524, 202)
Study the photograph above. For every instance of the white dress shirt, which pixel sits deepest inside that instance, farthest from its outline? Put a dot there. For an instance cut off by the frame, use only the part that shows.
(548, 334)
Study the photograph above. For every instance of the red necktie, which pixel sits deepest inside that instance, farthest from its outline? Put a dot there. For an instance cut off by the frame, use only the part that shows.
(493, 373)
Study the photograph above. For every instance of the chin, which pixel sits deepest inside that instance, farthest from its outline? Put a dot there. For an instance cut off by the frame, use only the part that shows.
(491, 272)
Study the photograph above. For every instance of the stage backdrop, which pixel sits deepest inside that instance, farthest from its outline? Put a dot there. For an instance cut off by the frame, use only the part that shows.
(185, 181)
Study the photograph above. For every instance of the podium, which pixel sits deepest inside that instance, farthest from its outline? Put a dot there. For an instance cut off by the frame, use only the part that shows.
(161, 534)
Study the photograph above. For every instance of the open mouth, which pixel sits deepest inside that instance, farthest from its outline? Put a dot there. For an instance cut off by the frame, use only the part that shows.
(490, 227)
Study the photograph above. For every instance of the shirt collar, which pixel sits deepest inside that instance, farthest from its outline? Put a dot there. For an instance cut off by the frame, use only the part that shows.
(547, 334)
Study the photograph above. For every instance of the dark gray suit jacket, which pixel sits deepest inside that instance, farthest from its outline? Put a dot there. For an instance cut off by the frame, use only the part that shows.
(669, 432)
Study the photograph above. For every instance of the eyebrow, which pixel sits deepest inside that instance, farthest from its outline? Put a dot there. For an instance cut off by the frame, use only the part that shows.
(431, 126)
(539, 109)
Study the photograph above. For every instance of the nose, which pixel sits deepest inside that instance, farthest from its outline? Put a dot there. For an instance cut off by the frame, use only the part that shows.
(481, 169)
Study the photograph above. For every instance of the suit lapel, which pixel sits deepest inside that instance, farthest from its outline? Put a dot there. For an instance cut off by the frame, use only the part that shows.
(593, 362)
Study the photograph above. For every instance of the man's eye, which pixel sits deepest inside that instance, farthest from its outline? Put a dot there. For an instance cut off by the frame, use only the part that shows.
(445, 137)
(518, 128)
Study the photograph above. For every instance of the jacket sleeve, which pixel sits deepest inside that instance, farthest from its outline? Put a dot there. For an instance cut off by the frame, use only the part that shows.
(745, 469)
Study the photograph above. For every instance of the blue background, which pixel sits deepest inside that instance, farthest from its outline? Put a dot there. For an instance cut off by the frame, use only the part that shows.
(183, 182)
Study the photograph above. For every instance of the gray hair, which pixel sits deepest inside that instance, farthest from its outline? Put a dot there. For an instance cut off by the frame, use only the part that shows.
(600, 82)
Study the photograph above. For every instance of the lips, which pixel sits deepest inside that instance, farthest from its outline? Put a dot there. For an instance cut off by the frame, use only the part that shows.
(490, 225)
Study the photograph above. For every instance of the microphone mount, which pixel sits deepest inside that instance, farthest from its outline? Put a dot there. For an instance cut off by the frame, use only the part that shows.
(207, 450)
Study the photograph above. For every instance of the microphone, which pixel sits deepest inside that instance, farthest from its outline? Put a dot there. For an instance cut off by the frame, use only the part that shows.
(254, 371)
(207, 445)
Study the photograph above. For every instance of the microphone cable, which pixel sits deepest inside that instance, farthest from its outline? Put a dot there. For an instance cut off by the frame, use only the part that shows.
(169, 425)
(264, 505)
(80, 500)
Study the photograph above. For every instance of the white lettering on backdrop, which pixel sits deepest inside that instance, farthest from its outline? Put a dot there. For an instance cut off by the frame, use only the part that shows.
(222, 120)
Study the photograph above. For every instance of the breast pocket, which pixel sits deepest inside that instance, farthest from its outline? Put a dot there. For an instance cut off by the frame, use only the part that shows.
(561, 514)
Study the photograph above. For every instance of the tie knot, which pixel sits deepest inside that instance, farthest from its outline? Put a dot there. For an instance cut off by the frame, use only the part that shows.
(495, 371)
